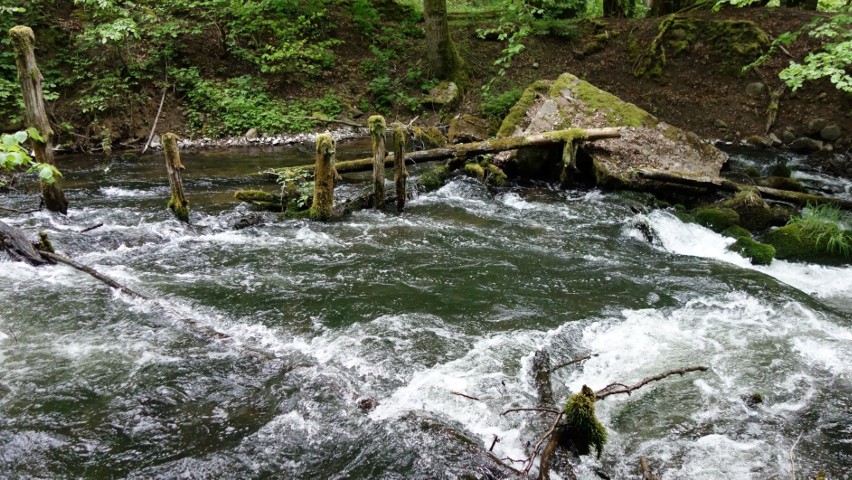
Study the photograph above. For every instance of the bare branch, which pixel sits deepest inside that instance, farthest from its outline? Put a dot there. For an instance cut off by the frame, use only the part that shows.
(572, 362)
(603, 393)
(89, 229)
(547, 434)
(14, 210)
(531, 409)
(792, 457)
(465, 395)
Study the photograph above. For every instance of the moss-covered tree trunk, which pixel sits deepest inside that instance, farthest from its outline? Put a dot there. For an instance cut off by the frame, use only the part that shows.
(324, 174)
(444, 60)
(400, 173)
(177, 204)
(35, 116)
(377, 127)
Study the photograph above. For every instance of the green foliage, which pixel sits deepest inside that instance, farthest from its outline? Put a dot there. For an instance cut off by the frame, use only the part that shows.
(496, 107)
(821, 233)
(297, 185)
(233, 106)
(14, 157)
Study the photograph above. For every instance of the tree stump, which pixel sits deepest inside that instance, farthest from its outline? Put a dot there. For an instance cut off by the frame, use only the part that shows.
(35, 116)
(324, 174)
(400, 173)
(377, 127)
(177, 204)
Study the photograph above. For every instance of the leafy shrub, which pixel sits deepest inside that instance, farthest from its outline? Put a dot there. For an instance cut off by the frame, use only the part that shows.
(496, 107)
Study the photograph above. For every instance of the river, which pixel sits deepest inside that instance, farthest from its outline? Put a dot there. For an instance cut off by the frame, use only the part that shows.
(401, 310)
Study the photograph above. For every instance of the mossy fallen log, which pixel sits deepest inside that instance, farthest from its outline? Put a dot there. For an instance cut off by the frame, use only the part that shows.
(719, 183)
(466, 150)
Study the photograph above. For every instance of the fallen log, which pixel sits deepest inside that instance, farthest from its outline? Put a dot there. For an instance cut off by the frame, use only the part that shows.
(18, 247)
(719, 183)
(497, 145)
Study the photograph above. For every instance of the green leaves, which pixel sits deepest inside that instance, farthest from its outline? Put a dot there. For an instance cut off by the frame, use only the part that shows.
(832, 61)
(14, 156)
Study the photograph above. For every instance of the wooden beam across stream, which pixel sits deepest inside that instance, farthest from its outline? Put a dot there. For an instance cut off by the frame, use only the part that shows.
(464, 150)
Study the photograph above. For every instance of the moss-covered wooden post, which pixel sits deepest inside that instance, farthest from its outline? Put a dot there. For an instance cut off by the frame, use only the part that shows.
(400, 173)
(177, 204)
(377, 126)
(324, 174)
(35, 116)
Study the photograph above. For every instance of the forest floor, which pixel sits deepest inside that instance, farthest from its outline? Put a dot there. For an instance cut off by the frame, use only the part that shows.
(701, 88)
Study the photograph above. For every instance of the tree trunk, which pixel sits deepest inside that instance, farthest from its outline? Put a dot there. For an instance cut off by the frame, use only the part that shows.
(35, 115)
(321, 209)
(444, 60)
(400, 173)
(177, 204)
(377, 127)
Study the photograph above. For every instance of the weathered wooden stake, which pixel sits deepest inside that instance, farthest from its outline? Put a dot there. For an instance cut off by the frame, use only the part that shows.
(377, 126)
(324, 175)
(400, 173)
(177, 204)
(35, 116)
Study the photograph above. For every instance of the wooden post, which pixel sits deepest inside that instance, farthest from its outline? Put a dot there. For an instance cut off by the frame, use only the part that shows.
(324, 174)
(400, 173)
(35, 115)
(377, 126)
(177, 204)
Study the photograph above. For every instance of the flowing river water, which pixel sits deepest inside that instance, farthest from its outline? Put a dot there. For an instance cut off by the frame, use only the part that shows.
(400, 310)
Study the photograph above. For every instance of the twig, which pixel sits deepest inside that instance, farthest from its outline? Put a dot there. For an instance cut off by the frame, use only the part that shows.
(89, 229)
(784, 49)
(156, 119)
(603, 393)
(465, 395)
(493, 442)
(572, 362)
(91, 271)
(15, 337)
(792, 457)
(532, 409)
(14, 210)
(331, 120)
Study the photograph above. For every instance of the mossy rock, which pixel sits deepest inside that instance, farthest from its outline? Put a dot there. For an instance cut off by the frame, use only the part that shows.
(754, 213)
(495, 175)
(736, 232)
(428, 137)
(474, 170)
(780, 170)
(795, 242)
(751, 172)
(467, 128)
(717, 219)
(259, 198)
(434, 179)
(517, 114)
(758, 253)
(444, 96)
(781, 183)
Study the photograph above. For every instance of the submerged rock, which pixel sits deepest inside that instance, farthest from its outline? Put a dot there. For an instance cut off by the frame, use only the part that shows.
(646, 142)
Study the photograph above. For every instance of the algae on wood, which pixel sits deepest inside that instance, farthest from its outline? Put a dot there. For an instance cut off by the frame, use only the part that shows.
(377, 127)
(324, 175)
(35, 115)
(177, 204)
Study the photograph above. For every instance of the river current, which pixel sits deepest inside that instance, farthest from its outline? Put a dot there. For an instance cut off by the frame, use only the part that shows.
(401, 312)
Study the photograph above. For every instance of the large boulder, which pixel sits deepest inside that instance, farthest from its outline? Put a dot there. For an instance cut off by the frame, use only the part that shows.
(645, 143)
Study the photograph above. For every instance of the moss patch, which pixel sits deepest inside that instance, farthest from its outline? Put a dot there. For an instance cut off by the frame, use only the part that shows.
(496, 176)
(434, 179)
(518, 113)
(758, 253)
(717, 219)
(617, 111)
(583, 428)
(474, 170)
(737, 232)
(797, 242)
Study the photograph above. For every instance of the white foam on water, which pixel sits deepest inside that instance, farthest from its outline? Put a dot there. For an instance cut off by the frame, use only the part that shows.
(697, 241)
(120, 192)
(513, 200)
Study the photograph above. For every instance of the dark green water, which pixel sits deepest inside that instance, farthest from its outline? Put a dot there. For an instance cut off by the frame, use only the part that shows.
(454, 295)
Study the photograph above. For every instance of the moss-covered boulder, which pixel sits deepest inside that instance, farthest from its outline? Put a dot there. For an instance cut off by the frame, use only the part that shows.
(474, 170)
(781, 183)
(811, 243)
(717, 219)
(262, 199)
(646, 142)
(754, 213)
(758, 253)
(435, 178)
(444, 96)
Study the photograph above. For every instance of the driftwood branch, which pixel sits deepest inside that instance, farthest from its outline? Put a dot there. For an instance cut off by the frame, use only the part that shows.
(94, 273)
(533, 409)
(460, 394)
(156, 119)
(604, 392)
(573, 361)
(89, 229)
(547, 435)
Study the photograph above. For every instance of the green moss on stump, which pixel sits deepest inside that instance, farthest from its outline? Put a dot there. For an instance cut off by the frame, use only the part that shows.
(180, 209)
(717, 219)
(583, 430)
(758, 253)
